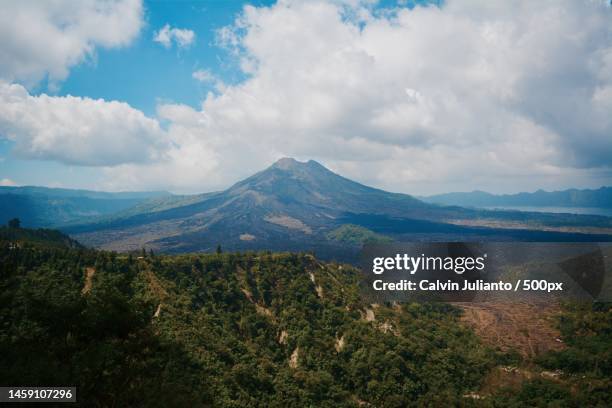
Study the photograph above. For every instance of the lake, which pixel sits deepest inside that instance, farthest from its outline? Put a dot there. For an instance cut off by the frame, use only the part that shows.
(568, 210)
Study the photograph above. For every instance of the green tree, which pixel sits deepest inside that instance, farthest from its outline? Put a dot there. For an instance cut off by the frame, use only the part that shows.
(14, 223)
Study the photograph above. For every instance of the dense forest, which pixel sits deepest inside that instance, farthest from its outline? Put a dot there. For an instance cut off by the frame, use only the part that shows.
(257, 329)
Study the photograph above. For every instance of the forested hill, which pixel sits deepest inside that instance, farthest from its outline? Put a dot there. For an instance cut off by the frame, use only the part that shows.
(36, 237)
(240, 330)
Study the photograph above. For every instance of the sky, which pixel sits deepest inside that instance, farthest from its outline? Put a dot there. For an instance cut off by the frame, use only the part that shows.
(409, 96)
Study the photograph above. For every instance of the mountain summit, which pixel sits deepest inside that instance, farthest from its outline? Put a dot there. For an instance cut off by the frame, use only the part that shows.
(310, 173)
(295, 206)
(291, 182)
(289, 163)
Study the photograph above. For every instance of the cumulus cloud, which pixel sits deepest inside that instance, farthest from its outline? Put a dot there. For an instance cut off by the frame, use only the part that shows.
(168, 35)
(80, 131)
(46, 38)
(498, 96)
(43, 40)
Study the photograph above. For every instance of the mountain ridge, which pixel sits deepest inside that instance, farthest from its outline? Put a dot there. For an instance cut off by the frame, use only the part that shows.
(54, 207)
(297, 206)
(69, 192)
(573, 197)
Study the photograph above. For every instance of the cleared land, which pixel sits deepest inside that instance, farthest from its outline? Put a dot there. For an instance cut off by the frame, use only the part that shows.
(528, 328)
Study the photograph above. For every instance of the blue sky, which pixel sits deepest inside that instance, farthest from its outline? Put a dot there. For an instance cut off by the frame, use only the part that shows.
(145, 72)
(141, 74)
(403, 95)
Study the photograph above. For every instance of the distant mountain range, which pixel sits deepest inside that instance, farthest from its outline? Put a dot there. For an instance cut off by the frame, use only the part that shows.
(291, 205)
(53, 207)
(599, 198)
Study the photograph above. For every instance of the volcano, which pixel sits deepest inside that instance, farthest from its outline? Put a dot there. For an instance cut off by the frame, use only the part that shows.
(303, 206)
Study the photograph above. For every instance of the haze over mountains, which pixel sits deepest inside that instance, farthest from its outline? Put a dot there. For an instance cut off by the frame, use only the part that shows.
(572, 198)
(304, 206)
(55, 207)
(290, 205)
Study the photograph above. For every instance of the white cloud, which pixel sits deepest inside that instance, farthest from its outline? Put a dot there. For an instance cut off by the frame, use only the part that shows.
(6, 182)
(41, 38)
(190, 160)
(79, 131)
(498, 96)
(167, 35)
(204, 75)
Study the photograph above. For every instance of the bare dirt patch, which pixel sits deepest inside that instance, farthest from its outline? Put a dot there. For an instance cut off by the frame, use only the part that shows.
(89, 274)
(289, 222)
(282, 338)
(340, 342)
(158, 311)
(527, 328)
(368, 315)
(294, 359)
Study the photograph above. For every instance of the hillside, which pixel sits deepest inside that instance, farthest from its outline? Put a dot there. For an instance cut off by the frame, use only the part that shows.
(262, 329)
(297, 205)
(600, 198)
(19, 237)
(52, 207)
